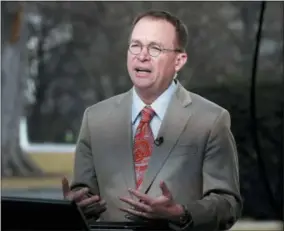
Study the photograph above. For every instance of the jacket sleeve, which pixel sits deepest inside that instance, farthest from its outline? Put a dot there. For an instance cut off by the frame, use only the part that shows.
(84, 171)
(221, 204)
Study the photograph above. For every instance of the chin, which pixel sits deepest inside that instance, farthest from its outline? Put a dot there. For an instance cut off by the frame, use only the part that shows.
(142, 83)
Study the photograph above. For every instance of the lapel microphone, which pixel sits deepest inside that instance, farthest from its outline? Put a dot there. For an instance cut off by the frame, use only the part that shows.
(159, 141)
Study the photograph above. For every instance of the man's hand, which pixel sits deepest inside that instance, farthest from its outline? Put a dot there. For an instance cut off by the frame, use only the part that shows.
(162, 207)
(80, 196)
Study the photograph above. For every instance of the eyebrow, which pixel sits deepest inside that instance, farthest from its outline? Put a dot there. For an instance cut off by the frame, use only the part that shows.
(151, 43)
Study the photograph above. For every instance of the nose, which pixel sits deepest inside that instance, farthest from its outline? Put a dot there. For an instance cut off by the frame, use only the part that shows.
(144, 55)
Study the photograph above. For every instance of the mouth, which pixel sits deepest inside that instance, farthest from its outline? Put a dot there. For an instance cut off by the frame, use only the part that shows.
(142, 70)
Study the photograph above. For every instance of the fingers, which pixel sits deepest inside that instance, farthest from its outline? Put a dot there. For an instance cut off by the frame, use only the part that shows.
(91, 200)
(65, 187)
(143, 197)
(137, 205)
(72, 195)
(80, 196)
(77, 195)
(102, 203)
(93, 205)
(165, 190)
(149, 207)
(137, 213)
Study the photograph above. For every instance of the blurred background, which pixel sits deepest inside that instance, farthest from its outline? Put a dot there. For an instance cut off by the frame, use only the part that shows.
(58, 58)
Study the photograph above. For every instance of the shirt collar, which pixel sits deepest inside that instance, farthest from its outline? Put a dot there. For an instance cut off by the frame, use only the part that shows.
(159, 105)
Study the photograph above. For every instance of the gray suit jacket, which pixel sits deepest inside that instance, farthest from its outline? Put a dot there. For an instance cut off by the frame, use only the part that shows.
(197, 160)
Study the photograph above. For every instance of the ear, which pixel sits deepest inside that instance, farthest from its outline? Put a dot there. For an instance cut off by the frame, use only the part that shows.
(180, 61)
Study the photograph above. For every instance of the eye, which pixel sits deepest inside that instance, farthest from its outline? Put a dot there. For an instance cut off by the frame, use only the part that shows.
(135, 45)
(156, 48)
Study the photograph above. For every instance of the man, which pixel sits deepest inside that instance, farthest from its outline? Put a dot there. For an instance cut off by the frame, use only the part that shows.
(157, 152)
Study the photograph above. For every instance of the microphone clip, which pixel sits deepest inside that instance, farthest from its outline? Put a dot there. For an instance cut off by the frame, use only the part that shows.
(159, 141)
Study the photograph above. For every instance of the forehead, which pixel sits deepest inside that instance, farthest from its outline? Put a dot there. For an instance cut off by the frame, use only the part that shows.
(149, 30)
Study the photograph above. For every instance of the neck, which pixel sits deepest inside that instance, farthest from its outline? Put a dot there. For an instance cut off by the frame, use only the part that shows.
(148, 96)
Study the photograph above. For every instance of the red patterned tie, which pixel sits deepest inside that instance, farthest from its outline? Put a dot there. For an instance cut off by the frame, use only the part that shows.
(143, 144)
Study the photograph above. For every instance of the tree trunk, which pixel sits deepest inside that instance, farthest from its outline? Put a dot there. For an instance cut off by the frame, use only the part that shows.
(13, 80)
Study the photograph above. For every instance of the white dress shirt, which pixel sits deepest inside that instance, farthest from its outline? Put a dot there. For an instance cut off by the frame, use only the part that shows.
(159, 106)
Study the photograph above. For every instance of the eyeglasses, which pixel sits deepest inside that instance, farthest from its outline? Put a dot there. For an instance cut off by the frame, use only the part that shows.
(153, 49)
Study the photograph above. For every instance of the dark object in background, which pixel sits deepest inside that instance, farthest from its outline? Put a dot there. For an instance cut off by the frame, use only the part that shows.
(41, 214)
(49, 214)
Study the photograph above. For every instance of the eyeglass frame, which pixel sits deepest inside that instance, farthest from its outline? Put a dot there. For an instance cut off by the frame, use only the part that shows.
(160, 48)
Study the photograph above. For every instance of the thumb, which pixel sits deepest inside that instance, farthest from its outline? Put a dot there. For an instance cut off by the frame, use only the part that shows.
(65, 187)
(165, 190)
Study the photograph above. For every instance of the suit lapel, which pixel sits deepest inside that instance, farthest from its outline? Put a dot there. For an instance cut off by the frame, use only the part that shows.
(173, 124)
(122, 115)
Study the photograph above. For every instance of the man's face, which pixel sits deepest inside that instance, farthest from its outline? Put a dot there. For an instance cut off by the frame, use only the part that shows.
(154, 73)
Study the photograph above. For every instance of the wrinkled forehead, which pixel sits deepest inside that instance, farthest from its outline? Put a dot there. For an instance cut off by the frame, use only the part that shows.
(150, 30)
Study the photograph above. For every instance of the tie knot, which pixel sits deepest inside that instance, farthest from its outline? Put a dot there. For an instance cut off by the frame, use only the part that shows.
(147, 114)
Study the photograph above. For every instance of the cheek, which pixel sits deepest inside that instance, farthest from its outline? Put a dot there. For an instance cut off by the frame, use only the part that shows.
(160, 65)
(129, 61)
(165, 67)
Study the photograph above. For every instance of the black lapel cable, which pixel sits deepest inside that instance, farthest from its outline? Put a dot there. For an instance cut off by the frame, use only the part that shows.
(254, 125)
(281, 159)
